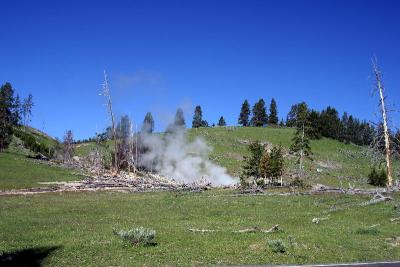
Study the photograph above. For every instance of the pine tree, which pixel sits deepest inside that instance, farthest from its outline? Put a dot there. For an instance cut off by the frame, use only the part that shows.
(259, 118)
(281, 123)
(7, 117)
(330, 123)
(148, 123)
(252, 162)
(273, 113)
(296, 110)
(301, 146)
(314, 123)
(124, 128)
(244, 114)
(221, 121)
(179, 118)
(198, 118)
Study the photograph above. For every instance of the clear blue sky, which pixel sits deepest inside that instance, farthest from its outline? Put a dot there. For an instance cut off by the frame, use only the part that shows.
(165, 54)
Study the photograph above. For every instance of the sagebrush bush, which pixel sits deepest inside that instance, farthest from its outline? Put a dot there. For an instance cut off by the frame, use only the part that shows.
(277, 246)
(367, 231)
(138, 236)
(377, 177)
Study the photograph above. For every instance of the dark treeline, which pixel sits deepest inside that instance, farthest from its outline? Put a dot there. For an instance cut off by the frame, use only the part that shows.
(13, 113)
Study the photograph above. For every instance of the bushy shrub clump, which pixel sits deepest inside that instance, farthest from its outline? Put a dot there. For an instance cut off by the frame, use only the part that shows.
(367, 231)
(31, 143)
(377, 177)
(277, 246)
(138, 236)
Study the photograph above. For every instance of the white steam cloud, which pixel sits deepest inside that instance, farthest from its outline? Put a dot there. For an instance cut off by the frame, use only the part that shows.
(173, 156)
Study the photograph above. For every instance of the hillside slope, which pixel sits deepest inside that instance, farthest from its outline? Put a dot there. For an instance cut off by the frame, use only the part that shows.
(334, 163)
(18, 171)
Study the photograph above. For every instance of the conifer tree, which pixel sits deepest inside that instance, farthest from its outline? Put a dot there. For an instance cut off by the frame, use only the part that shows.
(301, 145)
(198, 118)
(7, 117)
(260, 117)
(252, 162)
(221, 121)
(148, 123)
(273, 113)
(180, 118)
(244, 117)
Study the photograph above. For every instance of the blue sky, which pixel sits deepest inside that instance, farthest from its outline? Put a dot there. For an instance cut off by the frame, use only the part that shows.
(163, 54)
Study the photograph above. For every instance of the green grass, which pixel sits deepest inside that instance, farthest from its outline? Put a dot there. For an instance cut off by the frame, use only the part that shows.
(18, 171)
(82, 223)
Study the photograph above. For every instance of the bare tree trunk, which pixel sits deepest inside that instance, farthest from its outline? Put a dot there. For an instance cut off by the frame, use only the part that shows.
(107, 95)
(380, 89)
(301, 151)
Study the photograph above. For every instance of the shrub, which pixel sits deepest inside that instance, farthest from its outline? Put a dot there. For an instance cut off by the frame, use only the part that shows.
(277, 246)
(138, 236)
(377, 177)
(367, 231)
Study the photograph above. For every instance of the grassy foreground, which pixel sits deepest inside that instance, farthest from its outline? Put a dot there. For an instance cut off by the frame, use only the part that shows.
(81, 224)
(17, 171)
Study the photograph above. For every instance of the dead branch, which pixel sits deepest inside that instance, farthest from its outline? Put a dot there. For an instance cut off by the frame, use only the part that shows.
(194, 230)
(376, 199)
(318, 220)
(256, 229)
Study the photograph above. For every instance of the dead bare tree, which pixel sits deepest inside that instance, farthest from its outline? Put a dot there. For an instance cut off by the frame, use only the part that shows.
(381, 90)
(107, 94)
(68, 146)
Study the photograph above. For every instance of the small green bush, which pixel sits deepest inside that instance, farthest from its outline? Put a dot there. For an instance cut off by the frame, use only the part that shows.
(377, 177)
(138, 236)
(277, 246)
(367, 231)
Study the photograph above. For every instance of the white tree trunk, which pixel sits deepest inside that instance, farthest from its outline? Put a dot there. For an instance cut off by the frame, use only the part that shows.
(380, 88)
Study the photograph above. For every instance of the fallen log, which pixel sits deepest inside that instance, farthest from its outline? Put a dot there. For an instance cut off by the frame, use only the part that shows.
(194, 230)
(318, 220)
(376, 199)
(256, 229)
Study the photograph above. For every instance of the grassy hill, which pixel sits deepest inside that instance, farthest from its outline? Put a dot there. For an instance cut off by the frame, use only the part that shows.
(334, 163)
(18, 171)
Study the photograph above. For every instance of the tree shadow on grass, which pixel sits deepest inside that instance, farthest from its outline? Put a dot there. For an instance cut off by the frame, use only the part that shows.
(32, 257)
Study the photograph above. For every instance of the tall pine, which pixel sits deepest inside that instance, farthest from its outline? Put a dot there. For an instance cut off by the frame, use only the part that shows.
(260, 117)
(197, 118)
(273, 113)
(221, 121)
(148, 123)
(7, 116)
(244, 117)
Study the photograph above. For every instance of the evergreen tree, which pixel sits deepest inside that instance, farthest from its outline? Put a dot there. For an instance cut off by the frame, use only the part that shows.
(300, 109)
(124, 128)
(221, 121)
(259, 118)
(180, 118)
(252, 162)
(148, 123)
(282, 123)
(397, 142)
(301, 146)
(313, 125)
(244, 114)
(330, 123)
(7, 118)
(273, 113)
(271, 164)
(198, 118)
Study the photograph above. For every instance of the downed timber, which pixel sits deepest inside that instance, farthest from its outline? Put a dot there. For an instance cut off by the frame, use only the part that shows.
(194, 230)
(318, 220)
(378, 197)
(256, 229)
